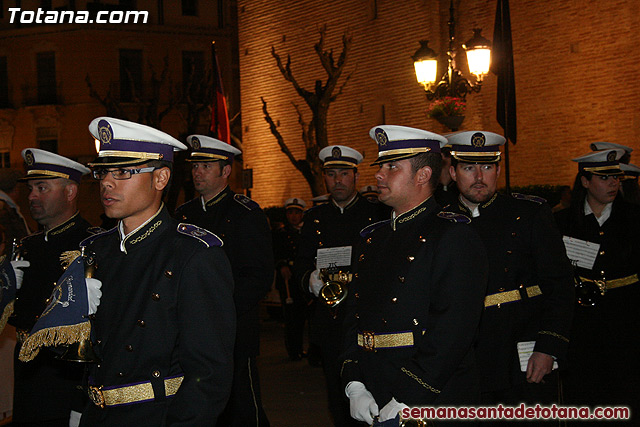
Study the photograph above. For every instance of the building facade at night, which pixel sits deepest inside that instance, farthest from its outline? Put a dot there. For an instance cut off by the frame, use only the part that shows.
(575, 69)
(45, 99)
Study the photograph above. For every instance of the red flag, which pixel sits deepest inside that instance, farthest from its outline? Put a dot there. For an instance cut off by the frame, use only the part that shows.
(219, 114)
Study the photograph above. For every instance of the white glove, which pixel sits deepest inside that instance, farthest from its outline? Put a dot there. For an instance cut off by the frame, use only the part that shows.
(18, 271)
(93, 294)
(362, 405)
(391, 409)
(74, 419)
(315, 282)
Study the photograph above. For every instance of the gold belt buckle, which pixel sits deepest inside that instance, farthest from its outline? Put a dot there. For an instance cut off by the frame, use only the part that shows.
(602, 285)
(96, 396)
(368, 340)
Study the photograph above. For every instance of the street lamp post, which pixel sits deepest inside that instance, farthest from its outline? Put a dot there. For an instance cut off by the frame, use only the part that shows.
(452, 83)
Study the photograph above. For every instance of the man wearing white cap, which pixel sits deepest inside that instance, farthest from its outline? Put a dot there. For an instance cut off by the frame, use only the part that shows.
(244, 227)
(165, 325)
(604, 351)
(335, 224)
(416, 299)
(628, 183)
(46, 389)
(286, 241)
(529, 297)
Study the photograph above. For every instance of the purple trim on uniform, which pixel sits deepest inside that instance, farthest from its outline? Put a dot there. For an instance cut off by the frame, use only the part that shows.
(472, 149)
(138, 147)
(410, 143)
(74, 174)
(341, 159)
(214, 151)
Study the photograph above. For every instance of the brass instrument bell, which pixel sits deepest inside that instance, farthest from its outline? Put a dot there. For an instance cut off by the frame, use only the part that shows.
(335, 289)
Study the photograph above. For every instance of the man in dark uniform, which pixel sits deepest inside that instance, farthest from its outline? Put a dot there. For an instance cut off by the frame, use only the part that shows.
(529, 300)
(286, 241)
(165, 324)
(604, 349)
(46, 389)
(332, 225)
(416, 299)
(247, 242)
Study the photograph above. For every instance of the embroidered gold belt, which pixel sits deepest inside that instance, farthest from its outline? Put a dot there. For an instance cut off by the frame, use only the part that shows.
(131, 393)
(511, 296)
(371, 341)
(613, 283)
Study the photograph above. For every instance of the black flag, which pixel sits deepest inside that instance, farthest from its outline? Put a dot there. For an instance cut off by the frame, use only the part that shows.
(502, 66)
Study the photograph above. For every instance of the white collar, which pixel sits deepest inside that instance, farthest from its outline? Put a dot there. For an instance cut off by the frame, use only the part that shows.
(604, 216)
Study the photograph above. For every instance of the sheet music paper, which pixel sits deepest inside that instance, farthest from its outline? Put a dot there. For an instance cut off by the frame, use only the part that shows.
(580, 252)
(525, 350)
(333, 257)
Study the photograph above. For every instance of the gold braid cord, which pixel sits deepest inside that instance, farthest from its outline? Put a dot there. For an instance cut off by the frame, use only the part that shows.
(8, 311)
(52, 337)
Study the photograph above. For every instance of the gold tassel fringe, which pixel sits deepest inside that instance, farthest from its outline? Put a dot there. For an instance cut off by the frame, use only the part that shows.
(52, 337)
(67, 258)
(8, 311)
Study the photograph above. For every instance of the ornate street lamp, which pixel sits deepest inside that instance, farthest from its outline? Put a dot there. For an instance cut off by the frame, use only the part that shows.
(452, 83)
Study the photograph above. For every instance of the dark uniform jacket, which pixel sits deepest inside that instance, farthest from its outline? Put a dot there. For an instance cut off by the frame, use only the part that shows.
(45, 388)
(423, 274)
(327, 226)
(244, 228)
(286, 242)
(525, 250)
(604, 350)
(166, 310)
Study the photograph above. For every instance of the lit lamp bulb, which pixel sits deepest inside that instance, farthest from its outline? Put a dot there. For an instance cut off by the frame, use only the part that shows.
(425, 62)
(478, 54)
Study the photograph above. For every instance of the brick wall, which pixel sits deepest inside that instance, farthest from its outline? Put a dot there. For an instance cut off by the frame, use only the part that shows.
(575, 66)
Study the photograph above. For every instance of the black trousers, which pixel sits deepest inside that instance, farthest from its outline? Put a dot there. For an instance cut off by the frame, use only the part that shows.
(244, 408)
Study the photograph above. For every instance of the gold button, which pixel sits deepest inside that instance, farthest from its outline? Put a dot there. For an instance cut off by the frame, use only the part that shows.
(384, 321)
(319, 243)
(98, 342)
(509, 252)
(411, 258)
(155, 296)
(357, 295)
(316, 221)
(369, 240)
(401, 279)
(121, 374)
(518, 219)
(601, 252)
(602, 233)
(361, 257)
(129, 347)
(423, 240)
(355, 275)
(156, 374)
(501, 290)
(513, 234)
(141, 323)
(184, 217)
(394, 299)
(318, 232)
(521, 286)
(498, 305)
(357, 316)
(415, 322)
(168, 274)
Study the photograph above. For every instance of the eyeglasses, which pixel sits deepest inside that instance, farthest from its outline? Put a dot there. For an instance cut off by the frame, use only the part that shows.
(120, 174)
